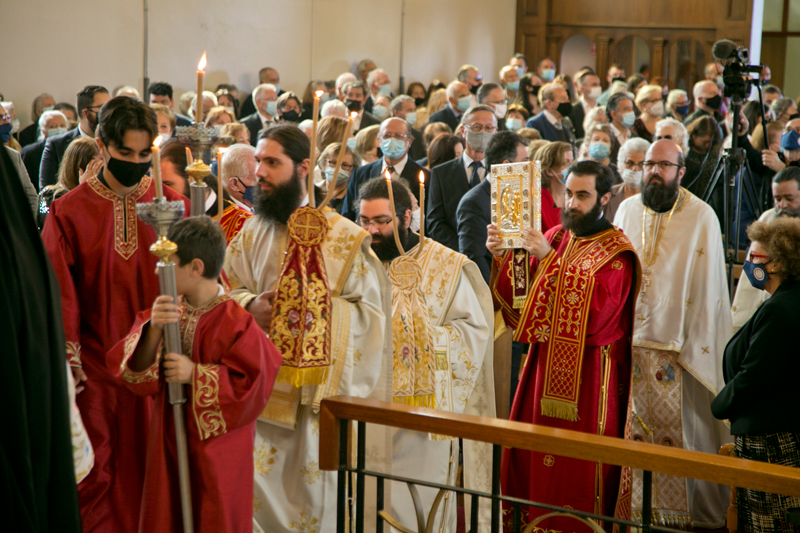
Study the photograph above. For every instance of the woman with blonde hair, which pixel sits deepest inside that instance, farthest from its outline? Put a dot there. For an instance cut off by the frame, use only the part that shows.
(555, 157)
(367, 143)
(81, 161)
(219, 116)
(649, 101)
(327, 164)
(238, 131)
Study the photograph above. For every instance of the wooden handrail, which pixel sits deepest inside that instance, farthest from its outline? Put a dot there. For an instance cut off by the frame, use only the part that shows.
(682, 463)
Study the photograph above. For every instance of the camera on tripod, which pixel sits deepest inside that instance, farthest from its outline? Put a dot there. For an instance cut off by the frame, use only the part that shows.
(736, 70)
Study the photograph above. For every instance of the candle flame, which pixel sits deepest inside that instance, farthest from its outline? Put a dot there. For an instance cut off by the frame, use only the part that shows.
(158, 140)
(319, 94)
(222, 149)
(353, 115)
(202, 64)
(388, 176)
(421, 178)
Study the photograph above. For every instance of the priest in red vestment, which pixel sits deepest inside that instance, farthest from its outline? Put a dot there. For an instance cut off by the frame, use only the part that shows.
(578, 318)
(100, 254)
(230, 367)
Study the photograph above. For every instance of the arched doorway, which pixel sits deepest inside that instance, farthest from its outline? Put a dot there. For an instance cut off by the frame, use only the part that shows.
(685, 63)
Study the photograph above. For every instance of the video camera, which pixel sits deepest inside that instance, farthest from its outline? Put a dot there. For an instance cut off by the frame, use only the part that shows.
(736, 70)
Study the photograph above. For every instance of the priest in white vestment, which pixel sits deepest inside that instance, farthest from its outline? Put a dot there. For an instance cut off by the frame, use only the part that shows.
(291, 493)
(442, 320)
(682, 324)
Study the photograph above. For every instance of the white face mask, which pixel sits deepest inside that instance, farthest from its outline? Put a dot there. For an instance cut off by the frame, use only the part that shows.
(500, 110)
(632, 178)
(657, 109)
(595, 92)
(164, 137)
(414, 225)
(15, 126)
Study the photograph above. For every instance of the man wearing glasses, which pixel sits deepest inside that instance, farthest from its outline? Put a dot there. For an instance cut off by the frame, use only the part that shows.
(395, 138)
(682, 313)
(90, 100)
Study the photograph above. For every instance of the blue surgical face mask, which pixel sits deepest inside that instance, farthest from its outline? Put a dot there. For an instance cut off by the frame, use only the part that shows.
(380, 112)
(790, 140)
(411, 118)
(277, 88)
(249, 193)
(54, 132)
(272, 108)
(343, 175)
(564, 174)
(351, 143)
(548, 74)
(463, 103)
(513, 85)
(757, 274)
(324, 98)
(48, 108)
(393, 148)
(599, 151)
(682, 110)
(628, 119)
(520, 71)
(385, 89)
(513, 124)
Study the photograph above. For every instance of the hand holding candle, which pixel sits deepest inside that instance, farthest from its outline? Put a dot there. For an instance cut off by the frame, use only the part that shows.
(394, 213)
(198, 110)
(156, 162)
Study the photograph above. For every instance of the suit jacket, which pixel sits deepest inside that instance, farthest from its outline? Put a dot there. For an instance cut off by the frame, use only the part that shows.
(472, 216)
(29, 135)
(445, 115)
(547, 130)
(417, 149)
(577, 116)
(32, 157)
(54, 150)
(369, 104)
(449, 183)
(181, 120)
(373, 170)
(248, 107)
(367, 120)
(254, 124)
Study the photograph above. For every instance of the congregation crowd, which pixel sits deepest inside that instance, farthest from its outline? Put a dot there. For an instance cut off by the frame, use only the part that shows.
(630, 203)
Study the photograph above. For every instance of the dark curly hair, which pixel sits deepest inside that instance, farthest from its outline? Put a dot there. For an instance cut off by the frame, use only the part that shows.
(781, 239)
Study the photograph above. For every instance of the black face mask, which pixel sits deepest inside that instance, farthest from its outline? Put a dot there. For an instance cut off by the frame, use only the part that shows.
(714, 102)
(353, 105)
(291, 115)
(126, 173)
(792, 117)
(617, 79)
(419, 102)
(565, 108)
(474, 90)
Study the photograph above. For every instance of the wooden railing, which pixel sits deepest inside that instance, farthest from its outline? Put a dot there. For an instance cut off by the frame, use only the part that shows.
(336, 413)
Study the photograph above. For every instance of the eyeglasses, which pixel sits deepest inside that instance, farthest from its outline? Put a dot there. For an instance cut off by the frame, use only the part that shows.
(759, 256)
(663, 166)
(5, 117)
(379, 224)
(477, 128)
(398, 136)
(632, 164)
(347, 167)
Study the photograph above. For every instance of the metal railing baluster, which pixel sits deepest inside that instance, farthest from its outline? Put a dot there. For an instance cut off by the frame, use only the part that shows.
(341, 493)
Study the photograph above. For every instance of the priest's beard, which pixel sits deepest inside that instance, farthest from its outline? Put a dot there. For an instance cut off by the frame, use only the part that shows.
(385, 247)
(578, 223)
(658, 195)
(788, 212)
(279, 204)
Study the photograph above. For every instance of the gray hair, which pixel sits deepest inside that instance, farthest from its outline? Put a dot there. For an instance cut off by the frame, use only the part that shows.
(463, 73)
(397, 103)
(781, 106)
(683, 140)
(451, 88)
(591, 116)
(476, 108)
(49, 114)
(374, 74)
(332, 106)
(635, 145)
(345, 78)
(674, 94)
(486, 88)
(307, 125)
(128, 89)
(207, 95)
(236, 162)
(260, 89)
(37, 102)
(362, 66)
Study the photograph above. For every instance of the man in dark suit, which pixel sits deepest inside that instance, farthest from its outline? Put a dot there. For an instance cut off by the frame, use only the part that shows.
(265, 75)
(458, 102)
(450, 181)
(265, 99)
(395, 140)
(53, 123)
(474, 210)
(161, 93)
(355, 95)
(590, 90)
(404, 108)
(548, 123)
(90, 100)
(30, 134)
(379, 85)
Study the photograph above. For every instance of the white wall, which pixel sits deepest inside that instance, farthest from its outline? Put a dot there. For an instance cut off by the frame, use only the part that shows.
(62, 46)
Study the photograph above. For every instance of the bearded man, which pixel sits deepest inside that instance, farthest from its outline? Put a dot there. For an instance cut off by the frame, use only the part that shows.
(290, 490)
(577, 317)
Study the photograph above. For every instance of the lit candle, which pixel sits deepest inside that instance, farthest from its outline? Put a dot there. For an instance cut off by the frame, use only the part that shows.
(313, 155)
(156, 162)
(421, 211)
(198, 109)
(339, 161)
(221, 150)
(394, 213)
(189, 157)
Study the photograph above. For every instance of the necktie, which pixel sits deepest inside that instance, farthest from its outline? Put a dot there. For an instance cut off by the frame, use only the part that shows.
(391, 170)
(475, 180)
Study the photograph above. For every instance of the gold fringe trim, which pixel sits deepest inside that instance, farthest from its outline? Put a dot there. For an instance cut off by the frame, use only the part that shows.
(441, 360)
(519, 302)
(424, 400)
(435, 436)
(299, 377)
(559, 409)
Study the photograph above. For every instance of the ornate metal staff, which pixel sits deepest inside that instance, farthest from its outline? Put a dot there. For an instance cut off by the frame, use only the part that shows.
(199, 139)
(161, 215)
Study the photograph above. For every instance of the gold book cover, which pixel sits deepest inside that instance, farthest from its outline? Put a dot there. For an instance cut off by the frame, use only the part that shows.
(516, 200)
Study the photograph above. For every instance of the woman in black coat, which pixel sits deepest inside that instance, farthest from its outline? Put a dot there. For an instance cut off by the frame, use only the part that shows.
(761, 366)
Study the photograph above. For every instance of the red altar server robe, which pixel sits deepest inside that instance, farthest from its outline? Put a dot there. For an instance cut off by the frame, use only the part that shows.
(578, 320)
(100, 253)
(236, 367)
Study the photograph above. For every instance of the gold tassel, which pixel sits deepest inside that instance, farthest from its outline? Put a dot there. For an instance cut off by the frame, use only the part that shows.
(298, 377)
(519, 302)
(424, 400)
(441, 360)
(558, 409)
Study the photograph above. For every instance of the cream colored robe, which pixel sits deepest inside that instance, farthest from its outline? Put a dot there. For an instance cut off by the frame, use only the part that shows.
(460, 307)
(291, 493)
(748, 298)
(684, 321)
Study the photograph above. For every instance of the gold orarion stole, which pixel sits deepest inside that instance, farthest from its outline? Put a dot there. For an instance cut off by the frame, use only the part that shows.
(516, 204)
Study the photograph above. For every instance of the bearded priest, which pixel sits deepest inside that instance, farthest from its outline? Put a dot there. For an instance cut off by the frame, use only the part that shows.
(682, 324)
(291, 492)
(577, 316)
